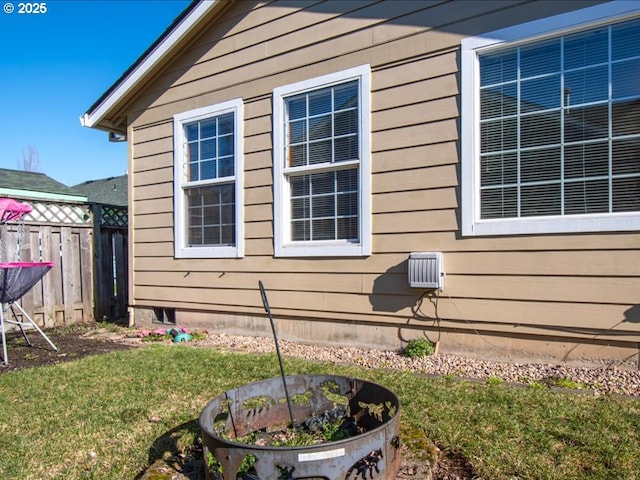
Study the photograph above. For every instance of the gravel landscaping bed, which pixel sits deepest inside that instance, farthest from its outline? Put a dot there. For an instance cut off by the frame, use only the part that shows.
(598, 381)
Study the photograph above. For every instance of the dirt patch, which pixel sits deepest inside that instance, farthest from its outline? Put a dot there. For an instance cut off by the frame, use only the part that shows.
(72, 344)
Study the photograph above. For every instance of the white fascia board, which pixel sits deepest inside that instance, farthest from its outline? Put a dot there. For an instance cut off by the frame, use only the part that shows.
(91, 119)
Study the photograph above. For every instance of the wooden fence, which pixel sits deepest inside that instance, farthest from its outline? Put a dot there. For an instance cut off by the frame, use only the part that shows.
(79, 288)
(111, 276)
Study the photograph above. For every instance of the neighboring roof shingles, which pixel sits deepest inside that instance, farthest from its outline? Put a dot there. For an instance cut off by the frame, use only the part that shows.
(34, 182)
(109, 191)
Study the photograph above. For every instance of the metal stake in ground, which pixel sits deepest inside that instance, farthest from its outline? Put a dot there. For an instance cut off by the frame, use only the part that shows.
(267, 309)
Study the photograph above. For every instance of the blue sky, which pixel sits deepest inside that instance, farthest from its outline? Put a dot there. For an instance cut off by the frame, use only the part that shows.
(55, 65)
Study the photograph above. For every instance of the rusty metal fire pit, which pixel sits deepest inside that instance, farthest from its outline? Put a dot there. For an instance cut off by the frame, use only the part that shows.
(372, 452)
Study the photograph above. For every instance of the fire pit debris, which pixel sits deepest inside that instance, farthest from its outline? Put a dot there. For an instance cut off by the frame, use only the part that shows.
(343, 428)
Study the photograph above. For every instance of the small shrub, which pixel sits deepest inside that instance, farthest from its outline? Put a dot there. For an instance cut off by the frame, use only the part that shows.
(418, 347)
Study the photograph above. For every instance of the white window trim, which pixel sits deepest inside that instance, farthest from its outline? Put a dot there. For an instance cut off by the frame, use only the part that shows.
(470, 115)
(181, 250)
(281, 211)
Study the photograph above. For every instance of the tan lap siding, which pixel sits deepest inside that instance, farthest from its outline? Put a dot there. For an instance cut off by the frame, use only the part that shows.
(541, 285)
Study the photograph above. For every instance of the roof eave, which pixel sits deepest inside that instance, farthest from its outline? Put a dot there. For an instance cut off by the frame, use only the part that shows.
(97, 115)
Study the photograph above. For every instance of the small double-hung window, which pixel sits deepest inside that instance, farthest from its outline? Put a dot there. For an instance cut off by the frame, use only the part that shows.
(322, 166)
(208, 182)
(551, 125)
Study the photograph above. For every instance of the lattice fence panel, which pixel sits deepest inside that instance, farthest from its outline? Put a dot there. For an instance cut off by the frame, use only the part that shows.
(59, 213)
(113, 217)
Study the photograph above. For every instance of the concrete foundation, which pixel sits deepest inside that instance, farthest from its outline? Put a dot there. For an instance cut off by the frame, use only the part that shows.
(493, 346)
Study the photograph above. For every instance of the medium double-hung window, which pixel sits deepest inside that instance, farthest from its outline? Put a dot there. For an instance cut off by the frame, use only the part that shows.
(322, 166)
(208, 182)
(551, 125)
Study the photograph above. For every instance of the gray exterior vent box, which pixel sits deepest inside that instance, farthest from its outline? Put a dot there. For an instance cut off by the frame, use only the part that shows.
(426, 270)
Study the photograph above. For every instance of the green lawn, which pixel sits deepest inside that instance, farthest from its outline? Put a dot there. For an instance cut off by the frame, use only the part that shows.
(108, 416)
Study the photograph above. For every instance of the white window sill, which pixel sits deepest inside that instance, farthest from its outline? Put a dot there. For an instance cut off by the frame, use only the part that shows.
(542, 225)
(208, 252)
(329, 249)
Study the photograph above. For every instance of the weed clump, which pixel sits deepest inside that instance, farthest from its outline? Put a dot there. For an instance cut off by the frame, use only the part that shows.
(418, 347)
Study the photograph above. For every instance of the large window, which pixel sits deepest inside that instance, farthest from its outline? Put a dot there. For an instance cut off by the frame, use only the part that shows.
(208, 181)
(322, 166)
(552, 128)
